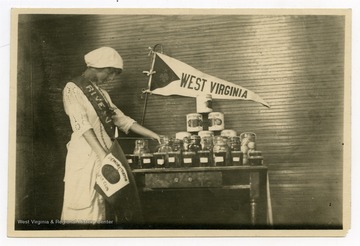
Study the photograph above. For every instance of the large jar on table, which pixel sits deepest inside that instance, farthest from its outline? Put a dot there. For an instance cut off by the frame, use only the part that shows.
(165, 145)
(248, 143)
(162, 156)
(221, 152)
(195, 147)
(141, 147)
(195, 143)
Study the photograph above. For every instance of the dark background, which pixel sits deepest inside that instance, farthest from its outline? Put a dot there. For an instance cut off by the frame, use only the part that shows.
(295, 63)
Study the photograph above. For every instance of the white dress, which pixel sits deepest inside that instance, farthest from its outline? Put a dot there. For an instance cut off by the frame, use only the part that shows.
(82, 204)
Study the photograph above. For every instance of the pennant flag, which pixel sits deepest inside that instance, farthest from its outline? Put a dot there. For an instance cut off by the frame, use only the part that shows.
(173, 77)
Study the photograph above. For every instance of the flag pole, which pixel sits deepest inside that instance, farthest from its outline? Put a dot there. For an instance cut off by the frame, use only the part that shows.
(152, 53)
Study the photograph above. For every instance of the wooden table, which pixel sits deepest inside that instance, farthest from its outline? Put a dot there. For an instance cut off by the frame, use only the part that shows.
(252, 178)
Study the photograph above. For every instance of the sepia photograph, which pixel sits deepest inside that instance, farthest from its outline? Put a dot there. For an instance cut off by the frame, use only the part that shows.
(179, 122)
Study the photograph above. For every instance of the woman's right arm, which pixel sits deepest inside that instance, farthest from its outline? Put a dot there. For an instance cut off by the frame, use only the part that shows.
(92, 140)
(74, 107)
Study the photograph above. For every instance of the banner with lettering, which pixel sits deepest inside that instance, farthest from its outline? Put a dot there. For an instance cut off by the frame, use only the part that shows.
(112, 176)
(173, 77)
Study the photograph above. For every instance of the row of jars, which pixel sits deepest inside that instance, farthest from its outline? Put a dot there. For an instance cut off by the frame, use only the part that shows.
(193, 151)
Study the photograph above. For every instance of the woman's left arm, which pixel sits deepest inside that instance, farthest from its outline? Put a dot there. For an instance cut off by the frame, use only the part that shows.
(139, 129)
(126, 123)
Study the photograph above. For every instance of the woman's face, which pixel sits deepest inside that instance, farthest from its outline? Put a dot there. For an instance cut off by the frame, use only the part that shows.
(107, 75)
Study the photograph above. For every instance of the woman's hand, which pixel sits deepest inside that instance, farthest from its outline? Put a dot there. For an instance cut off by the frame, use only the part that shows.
(144, 131)
(92, 140)
(156, 137)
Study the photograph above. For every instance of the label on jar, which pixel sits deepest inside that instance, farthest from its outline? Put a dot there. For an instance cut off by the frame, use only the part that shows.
(219, 159)
(160, 161)
(129, 161)
(236, 158)
(204, 159)
(171, 159)
(187, 160)
(146, 160)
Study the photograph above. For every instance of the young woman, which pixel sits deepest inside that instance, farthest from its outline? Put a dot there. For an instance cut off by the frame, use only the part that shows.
(94, 120)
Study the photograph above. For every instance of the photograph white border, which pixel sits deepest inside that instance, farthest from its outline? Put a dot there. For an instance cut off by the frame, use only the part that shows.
(198, 233)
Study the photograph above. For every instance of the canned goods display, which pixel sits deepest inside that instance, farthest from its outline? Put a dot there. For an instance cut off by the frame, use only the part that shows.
(204, 103)
(216, 121)
(194, 122)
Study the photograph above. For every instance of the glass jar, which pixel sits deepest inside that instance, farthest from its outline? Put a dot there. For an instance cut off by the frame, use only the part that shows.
(237, 158)
(141, 147)
(204, 158)
(247, 140)
(221, 152)
(235, 143)
(146, 160)
(255, 158)
(165, 145)
(247, 137)
(177, 145)
(206, 143)
(188, 159)
(186, 143)
(174, 159)
(133, 161)
(160, 159)
(195, 143)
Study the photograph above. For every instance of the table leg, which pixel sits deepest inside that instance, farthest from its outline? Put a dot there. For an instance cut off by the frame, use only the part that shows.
(254, 195)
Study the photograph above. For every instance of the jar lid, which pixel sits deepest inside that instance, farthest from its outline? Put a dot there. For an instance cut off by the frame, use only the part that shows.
(195, 137)
(159, 153)
(203, 151)
(182, 135)
(205, 133)
(174, 152)
(255, 153)
(194, 115)
(228, 133)
(146, 155)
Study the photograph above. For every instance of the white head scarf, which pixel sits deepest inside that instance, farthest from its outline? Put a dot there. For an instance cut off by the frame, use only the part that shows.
(104, 57)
